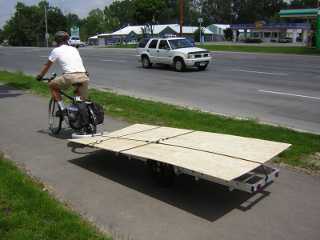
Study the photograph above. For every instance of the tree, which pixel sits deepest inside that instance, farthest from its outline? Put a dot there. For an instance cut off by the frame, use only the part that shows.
(304, 4)
(27, 26)
(93, 24)
(148, 11)
(122, 12)
(1, 36)
(72, 20)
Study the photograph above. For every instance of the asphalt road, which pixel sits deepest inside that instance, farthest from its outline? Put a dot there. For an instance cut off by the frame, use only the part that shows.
(279, 89)
(118, 195)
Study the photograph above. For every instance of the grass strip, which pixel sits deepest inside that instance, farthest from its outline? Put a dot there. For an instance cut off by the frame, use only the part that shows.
(304, 152)
(121, 46)
(28, 212)
(263, 49)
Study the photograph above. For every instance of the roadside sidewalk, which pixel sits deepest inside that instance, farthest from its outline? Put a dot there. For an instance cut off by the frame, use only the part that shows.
(119, 196)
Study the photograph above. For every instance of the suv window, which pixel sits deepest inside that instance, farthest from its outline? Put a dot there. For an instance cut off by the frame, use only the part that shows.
(143, 42)
(164, 44)
(153, 43)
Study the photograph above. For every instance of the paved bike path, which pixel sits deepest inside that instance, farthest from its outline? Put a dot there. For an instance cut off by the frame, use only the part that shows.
(119, 196)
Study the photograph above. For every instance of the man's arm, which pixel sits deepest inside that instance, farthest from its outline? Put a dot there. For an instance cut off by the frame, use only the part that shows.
(44, 69)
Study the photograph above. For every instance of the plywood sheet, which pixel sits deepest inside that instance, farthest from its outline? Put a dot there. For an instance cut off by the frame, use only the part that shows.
(110, 144)
(118, 144)
(250, 149)
(157, 134)
(89, 140)
(221, 167)
(136, 128)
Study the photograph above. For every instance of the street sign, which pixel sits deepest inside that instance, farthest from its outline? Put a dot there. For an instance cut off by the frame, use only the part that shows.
(47, 35)
(75, 32)
(200, 20)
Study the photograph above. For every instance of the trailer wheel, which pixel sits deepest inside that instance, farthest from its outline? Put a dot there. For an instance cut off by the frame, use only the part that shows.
(162, 173)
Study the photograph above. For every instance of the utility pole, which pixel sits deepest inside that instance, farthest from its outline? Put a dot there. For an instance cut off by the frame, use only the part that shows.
(181, 7)
(46, 23)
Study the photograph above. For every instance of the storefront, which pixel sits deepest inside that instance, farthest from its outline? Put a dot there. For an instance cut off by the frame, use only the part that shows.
(272, 32)
(311, 16)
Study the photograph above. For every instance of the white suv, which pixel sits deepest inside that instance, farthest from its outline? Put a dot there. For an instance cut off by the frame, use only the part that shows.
(179, 52)
(75, 42)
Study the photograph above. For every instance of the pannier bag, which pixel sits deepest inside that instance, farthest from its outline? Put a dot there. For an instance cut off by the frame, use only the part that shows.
(78, 115)
(98, 112)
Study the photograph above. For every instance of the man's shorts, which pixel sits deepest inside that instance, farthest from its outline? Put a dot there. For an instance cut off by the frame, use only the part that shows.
(72, 79)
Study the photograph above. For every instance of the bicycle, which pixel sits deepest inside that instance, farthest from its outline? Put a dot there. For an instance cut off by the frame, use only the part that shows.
(81, 116)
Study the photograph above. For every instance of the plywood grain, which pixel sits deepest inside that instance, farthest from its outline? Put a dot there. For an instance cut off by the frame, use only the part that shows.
(239, 147)
(221, 167)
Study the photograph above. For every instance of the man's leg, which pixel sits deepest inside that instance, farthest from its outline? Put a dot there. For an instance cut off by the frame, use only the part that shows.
(55, 86)
(82, 90)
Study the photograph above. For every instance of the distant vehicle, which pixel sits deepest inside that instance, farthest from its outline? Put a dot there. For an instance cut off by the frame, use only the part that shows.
(177, 52)
(75, 42)
(285, 40)
(5, 43)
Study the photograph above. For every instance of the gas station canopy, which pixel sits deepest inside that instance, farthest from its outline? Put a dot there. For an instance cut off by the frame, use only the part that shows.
(299, 13)
(309, 13)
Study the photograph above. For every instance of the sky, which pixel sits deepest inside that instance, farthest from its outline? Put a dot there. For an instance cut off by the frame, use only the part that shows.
(80, 7)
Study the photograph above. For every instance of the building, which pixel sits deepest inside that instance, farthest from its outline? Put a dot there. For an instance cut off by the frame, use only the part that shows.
(218, 31)
(312, 17)
(272, 32)
(132, 34)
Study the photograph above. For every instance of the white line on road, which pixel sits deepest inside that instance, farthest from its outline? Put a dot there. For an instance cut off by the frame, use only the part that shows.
(111, 60)
(289, 94)
(266, 73)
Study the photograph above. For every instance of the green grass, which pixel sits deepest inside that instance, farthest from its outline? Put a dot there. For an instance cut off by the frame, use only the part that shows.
(28, 212)
(122, 46)
(263, 49)
(301, 154)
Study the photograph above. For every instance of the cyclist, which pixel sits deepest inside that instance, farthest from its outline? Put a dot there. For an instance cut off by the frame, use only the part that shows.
(74, 73)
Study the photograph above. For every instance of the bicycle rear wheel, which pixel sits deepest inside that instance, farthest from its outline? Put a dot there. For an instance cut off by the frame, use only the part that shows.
(55, 122)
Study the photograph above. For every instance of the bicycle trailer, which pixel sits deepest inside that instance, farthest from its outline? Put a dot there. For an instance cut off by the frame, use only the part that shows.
(236, 162)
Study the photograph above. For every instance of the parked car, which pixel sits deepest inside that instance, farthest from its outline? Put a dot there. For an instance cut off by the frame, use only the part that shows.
(178, 52)
(285, 40)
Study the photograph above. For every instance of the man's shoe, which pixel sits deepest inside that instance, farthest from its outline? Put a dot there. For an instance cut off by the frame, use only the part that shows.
(62, 113)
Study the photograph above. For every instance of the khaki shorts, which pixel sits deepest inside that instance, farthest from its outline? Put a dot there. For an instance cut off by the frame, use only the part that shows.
(71, 79)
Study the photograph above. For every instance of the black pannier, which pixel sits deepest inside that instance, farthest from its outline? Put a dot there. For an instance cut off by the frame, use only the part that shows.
(98, 112)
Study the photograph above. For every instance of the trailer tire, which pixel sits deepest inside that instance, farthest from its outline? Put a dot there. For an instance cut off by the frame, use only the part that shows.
(162, 173)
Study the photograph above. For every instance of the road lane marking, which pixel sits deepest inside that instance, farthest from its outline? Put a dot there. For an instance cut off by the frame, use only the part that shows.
(289, 94)
(258, 72)
(111, 60)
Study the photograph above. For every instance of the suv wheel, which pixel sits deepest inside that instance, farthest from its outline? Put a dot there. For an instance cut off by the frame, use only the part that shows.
(146, 62)
(179, 65)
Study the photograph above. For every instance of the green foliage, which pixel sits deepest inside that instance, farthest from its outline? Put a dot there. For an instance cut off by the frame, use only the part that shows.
(28, 212)
(304, 3)
(1, 36)
(197, 35)
(228, 34)
(27, 26)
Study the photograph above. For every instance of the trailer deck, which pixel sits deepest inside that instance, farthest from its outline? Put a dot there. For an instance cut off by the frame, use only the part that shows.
(233, 161)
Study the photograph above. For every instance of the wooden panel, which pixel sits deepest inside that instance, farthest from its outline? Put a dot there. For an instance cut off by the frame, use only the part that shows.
(118, 145)
(157, 134)
(110, 144)
(136, 128)
(89, 140)
(246, 148)
(221, 167)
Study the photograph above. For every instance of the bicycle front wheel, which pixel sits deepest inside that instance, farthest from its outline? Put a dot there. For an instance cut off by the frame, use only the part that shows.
(55, 120)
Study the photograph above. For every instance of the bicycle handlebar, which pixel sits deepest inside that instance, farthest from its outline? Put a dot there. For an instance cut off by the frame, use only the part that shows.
(54, 75)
